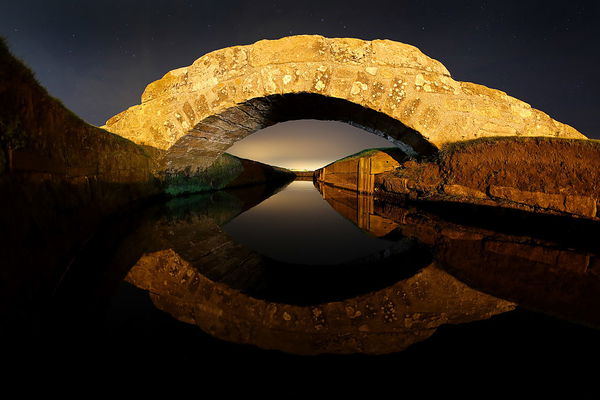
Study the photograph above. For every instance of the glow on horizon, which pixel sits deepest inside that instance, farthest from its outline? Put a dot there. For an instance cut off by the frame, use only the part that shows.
(305, 144)
(305, 165)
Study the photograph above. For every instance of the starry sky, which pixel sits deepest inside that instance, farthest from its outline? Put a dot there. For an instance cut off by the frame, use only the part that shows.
(98, 56)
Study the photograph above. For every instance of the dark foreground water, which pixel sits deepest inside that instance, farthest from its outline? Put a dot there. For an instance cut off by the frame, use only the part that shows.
(323, 280)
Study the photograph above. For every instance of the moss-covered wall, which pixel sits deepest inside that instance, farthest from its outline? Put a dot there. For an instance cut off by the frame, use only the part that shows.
(226, 172)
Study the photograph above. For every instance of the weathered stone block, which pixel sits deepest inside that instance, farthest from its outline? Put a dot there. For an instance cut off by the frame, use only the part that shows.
(577, 263)
(534, 199)
(396, 185)
(463, 191)
(534, 253)
(581, 205)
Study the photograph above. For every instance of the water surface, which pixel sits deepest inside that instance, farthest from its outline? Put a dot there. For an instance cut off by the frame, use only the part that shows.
(279, 273)
(298, 226)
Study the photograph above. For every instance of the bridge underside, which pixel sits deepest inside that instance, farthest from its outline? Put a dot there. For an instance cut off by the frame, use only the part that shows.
(212, 136)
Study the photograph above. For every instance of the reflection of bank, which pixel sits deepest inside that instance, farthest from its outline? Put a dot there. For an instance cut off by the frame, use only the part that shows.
(356, 174)
(199, 275)
(193, 228)
(549, 275)
(357, 207)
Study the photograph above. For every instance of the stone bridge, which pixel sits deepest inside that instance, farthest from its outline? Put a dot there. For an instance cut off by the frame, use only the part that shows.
(193, 114)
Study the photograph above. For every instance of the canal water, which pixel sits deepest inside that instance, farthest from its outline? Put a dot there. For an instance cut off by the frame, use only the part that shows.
(313, 233)
(313, 275)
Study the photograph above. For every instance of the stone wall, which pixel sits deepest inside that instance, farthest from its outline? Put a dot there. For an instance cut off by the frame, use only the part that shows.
(542, 175)
(357, 172)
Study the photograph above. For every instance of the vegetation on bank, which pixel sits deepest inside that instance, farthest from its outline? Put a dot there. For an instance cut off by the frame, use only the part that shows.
(222, 171)
(393, 152)
(13, 66)
(226, 171)
(12, 69)
(12, 133)
(455, 147)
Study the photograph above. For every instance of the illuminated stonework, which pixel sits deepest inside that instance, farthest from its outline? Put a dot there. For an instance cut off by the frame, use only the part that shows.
(392, 89)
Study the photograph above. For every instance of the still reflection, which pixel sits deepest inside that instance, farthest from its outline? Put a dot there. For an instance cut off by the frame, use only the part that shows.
(192, 228)
(384, 321)
(297, 226)
(377, 303)
(423, 271)
(547, 264)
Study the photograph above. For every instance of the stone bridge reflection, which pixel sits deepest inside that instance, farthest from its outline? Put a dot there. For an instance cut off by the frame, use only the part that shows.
(195, 272)
(199, 275)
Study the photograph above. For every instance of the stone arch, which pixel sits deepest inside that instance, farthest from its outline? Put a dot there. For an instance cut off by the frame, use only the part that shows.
(390, 88)
(212, 136)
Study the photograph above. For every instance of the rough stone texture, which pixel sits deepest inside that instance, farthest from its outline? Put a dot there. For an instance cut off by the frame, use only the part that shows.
(385, 321)
(463, 191)
(547, 175)
(186, 107)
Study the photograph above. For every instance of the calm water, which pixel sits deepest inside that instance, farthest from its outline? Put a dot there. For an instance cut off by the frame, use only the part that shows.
(298, 226)
(278, 274)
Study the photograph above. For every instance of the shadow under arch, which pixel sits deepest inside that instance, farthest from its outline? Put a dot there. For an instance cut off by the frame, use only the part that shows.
(209, 138)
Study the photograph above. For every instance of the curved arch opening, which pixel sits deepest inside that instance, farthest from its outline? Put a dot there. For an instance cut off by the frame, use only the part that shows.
(306, 145)
(212, 136)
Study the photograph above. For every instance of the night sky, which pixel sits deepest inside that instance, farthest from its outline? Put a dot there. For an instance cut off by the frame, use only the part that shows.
(97, 57)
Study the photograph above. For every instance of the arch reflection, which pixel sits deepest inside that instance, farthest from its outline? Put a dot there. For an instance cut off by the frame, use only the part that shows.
(198, 274)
